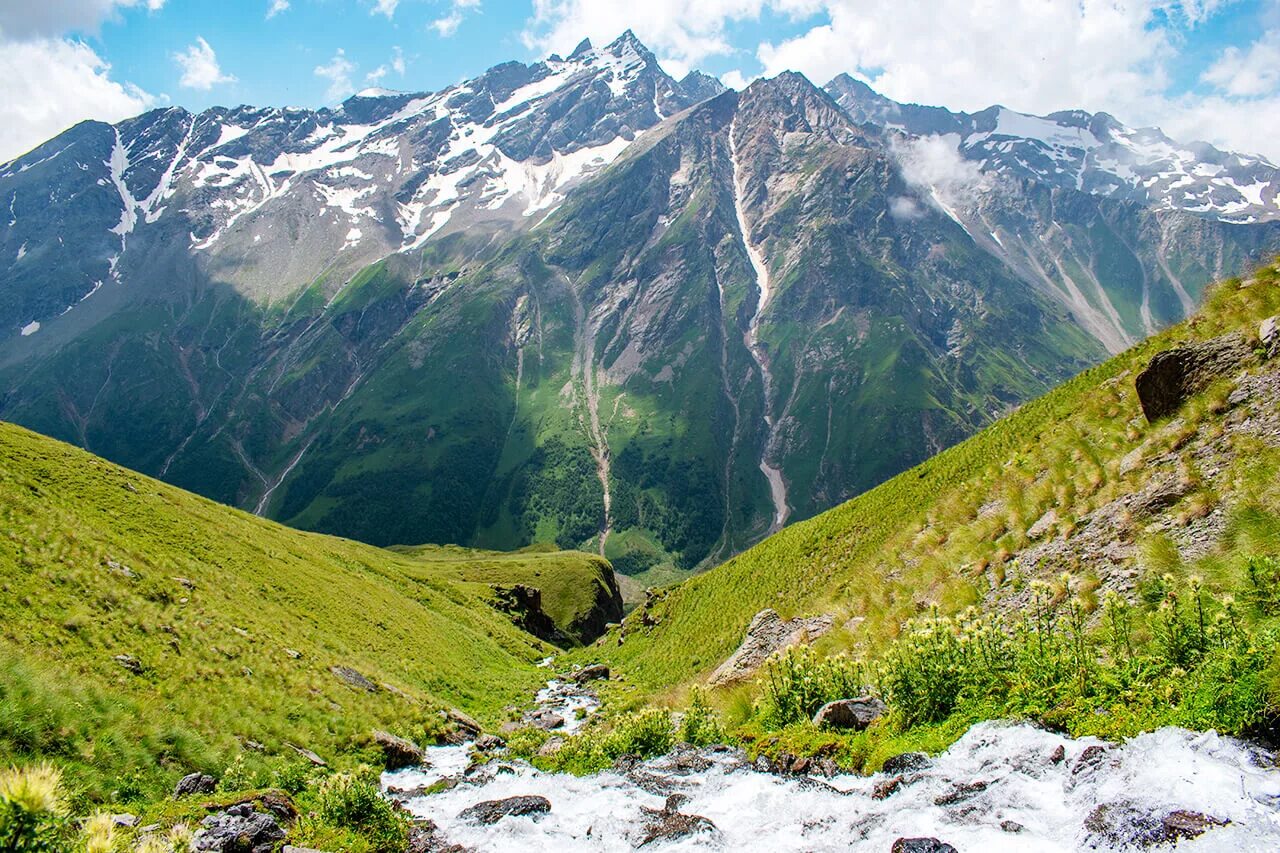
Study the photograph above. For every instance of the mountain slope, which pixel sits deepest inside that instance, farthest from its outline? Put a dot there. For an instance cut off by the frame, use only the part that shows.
(574, 302)
(1076, 481)
(237, 628)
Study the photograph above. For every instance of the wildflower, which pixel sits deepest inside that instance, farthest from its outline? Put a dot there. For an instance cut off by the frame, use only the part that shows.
(35, 789)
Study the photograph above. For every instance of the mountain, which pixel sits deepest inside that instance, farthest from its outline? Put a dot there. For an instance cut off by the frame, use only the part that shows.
(146, 627)
(576, 301)
(1079, 483)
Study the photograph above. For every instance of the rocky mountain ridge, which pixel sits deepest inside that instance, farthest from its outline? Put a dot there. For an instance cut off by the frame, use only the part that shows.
(576, 301)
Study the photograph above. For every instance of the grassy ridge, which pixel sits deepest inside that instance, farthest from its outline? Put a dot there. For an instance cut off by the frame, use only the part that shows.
(945, 532)
(231, 625)
(571, 582)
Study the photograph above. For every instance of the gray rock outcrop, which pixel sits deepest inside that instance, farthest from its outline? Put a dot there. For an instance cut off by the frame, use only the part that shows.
(1175, 375)
(768, 633)
(852, 714)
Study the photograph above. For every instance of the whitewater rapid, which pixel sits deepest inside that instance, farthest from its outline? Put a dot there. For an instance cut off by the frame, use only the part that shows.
(1023, 783)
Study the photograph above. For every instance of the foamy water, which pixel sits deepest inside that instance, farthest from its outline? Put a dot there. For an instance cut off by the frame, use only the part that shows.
(1156, 773)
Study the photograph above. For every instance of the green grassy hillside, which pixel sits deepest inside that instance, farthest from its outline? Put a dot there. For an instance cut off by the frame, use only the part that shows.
(575, 586)
(949, 533)
(231, 625)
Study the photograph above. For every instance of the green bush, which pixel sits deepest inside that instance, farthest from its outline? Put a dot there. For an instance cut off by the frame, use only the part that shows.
(353, 801)
(700, 726)
(797, 682)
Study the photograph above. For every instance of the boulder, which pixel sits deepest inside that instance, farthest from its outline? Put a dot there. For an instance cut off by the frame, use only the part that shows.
(546, 720)
(398, 753)
(239, 829)
(1011, 826)
(308, 754)
(1125, 824)
(492, 811)
(551, 747)
(905, 763)
(595, 672)
(1269, 336)
(489, 743)
(1175, 375)
(768, 633)
(354, 678)
(130, 663)
(853, 714)
(670, 824)
(195, 783)
(960, 791)
(921, 845)
(128, 821)
(460, 727)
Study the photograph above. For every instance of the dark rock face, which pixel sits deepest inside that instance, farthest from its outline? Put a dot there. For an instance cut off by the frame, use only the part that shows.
(1125, 824)
(959, 792)
(922, 845)
(669, 824)
(194, 783)
(492, 811)
(1175, 375)
(425, 837)
(239, 829)
(130, 663)
(398, 752)
(855, 714)
(524, 605)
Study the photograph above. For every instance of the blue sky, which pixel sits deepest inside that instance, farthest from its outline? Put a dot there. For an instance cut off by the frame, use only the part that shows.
(1207, 69)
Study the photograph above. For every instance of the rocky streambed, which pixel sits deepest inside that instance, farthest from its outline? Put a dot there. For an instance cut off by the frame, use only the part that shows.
(1002, 787)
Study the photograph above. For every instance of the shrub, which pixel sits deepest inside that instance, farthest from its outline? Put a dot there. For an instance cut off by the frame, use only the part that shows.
(700, 726)
(797, 682)
(353, 801)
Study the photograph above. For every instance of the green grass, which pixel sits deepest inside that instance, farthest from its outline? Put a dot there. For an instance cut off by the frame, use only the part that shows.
(572, 583)
(943, 533)
(234, 622)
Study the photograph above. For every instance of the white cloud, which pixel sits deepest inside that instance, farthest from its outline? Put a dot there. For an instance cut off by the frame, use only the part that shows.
(447, 25)
(734, 80)
(385, 7)
(678, 31)
(24, 19)
(51, 84)
(1032, 55)
(200, 69)
(276, 7)
(904, 209)
(396, 65)
(934, 164)
(1248, 73)
(337, 71)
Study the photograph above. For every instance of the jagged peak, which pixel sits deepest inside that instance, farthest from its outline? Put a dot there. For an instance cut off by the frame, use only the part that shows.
(584, 47)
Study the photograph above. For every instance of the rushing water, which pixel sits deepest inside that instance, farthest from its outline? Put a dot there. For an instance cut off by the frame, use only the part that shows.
(1150, 775)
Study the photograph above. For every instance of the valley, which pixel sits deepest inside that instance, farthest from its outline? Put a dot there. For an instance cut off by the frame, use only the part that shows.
(581, 457)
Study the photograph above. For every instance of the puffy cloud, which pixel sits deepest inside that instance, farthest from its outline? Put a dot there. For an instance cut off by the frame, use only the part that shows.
(448, 24)
(51, 84)
(276, 7)
(734, 80)
(200, 69)
(385, 7)
(25, 19)
(934, 164)
(337, 71)
(396, 64)
(680, 32)
(1032, 55)
(1248, 73)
